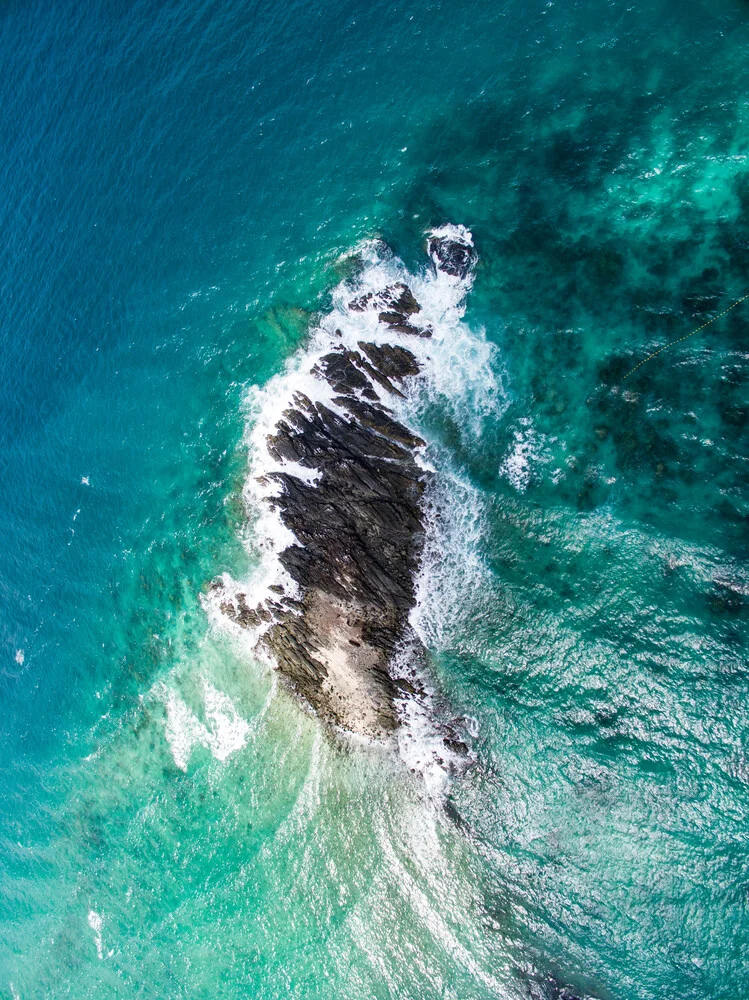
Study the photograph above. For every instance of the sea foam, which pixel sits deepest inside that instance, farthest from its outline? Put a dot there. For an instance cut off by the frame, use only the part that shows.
(224, 732)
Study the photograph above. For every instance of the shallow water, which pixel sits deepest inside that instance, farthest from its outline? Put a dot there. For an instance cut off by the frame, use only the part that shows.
(183, 186)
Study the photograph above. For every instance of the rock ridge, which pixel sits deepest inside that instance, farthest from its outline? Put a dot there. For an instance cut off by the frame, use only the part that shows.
(357, 519)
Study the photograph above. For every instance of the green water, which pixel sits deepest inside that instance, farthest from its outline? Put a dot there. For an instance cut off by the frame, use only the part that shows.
(173, 825)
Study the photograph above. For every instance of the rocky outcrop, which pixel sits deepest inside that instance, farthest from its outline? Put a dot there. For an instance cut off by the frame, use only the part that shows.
(455, 257)
(357, 520)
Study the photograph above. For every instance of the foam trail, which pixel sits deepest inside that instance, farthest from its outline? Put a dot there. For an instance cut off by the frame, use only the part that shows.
(96, 923)
(226, 733)
(528, 450)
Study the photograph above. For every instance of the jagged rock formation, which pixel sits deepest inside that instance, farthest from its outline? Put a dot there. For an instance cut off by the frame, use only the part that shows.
(359, 527)
(454, 256)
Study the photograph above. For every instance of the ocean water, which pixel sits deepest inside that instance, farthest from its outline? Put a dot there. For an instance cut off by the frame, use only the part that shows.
(184, 187)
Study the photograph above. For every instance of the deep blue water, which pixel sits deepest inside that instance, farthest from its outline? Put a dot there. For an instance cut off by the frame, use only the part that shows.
(178, 184)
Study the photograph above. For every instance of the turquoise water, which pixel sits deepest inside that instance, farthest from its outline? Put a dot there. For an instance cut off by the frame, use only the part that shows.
(181, 184)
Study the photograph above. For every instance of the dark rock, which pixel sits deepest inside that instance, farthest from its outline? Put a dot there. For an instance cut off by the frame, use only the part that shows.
(390, 360)
(405, 686)
(378, 419)
(293, 604)
(395, 305)
(399, 298)
(453, 255)
(238, 611)
(381, 380)
(339, 368)
(398, 324)
(457, 746)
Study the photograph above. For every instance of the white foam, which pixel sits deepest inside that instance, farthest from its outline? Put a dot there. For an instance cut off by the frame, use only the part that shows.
(452, 573)
(529, 449)
(453, 231)
(421, 747)
(452, 569)
(96, 923)
(228, 729)
(226, 733)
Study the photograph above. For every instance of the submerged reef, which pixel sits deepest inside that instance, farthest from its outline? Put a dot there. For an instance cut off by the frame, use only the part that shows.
(347, 484)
